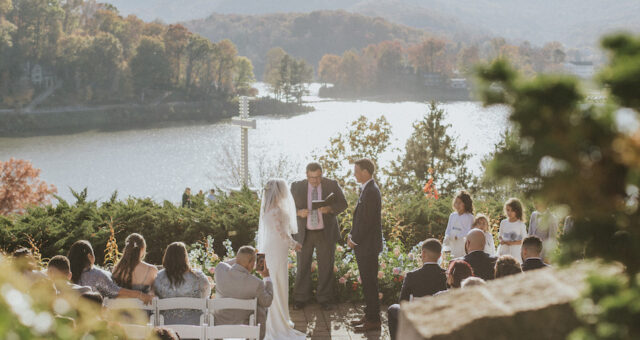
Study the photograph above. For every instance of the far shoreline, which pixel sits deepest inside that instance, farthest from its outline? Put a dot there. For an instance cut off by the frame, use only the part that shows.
(124, 117)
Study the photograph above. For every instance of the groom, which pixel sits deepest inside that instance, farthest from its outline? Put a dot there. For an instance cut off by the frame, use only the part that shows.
(366, 241)
(317, 229)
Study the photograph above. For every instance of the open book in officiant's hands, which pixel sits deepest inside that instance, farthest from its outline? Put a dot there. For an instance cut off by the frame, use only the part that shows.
(317, 204)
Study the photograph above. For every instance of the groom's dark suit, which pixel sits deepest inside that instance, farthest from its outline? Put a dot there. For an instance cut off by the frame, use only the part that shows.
(324, 241)
(366, 232)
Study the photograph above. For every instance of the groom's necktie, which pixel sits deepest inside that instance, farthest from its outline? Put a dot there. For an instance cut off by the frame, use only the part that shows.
(314, 213)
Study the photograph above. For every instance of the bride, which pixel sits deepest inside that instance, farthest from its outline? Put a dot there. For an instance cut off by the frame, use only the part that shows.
(277, 224)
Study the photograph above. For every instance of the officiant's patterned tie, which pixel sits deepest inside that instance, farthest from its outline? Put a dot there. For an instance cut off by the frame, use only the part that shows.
(314, 213)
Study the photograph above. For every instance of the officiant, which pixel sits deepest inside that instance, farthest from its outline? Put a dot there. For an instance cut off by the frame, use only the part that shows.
(318, 201)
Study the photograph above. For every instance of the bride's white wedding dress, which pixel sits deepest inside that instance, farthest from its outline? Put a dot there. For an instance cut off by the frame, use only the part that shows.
(275, 241)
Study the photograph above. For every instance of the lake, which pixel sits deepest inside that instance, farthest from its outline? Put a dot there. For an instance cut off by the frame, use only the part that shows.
(160, 162)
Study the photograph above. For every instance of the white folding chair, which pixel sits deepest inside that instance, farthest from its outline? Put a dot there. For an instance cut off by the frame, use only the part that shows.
(189, 331)
(233, 331)
(184, 331)
(133, 305)
(137, 331)
(181, 303)
(218, 304)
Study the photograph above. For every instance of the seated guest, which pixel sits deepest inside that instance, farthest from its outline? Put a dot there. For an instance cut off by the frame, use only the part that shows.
(93, 310)
(507, 265)
(26, 263)
(472, 281)
(482, 263)
(59, 271)
(531, 253)
(427, 280)
(458, 271)
(83, 273)
(162, 333)
(35, 280)
(93, 315)
(131, 272)
(177, 279)
(93, 298)
(234, 280)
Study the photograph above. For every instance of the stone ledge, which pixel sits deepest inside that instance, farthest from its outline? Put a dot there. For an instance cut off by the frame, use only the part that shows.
(503, 309)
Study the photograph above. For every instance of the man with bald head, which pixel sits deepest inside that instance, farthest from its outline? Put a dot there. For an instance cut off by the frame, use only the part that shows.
(482, 263)
(234, 280)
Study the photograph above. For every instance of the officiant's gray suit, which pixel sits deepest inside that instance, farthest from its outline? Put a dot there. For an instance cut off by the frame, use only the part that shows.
(234, 281)
(324, 241)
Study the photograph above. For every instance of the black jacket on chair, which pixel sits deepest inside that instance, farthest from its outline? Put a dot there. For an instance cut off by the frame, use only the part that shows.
(533, 263)
(427, 280)
(483, 264)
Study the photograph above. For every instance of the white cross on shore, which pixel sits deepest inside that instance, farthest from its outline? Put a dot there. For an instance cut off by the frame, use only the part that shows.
(245, 124)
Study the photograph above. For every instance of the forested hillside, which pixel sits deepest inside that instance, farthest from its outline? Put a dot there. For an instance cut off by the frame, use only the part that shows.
(575, 23)
(308, 36)
(56, 53)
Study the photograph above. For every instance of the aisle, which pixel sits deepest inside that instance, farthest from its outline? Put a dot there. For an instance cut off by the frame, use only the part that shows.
(334, 324)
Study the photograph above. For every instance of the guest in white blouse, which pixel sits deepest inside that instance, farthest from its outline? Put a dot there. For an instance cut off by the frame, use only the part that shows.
(512, 230)
(460, 222)
(482, 222)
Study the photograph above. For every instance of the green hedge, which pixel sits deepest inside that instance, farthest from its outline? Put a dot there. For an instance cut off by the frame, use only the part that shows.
(407, 219)
(54, 228)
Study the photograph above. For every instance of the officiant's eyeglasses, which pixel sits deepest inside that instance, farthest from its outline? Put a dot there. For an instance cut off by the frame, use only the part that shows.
(314, 177)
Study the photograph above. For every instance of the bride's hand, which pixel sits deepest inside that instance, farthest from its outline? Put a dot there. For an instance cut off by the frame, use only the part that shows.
(298, 246)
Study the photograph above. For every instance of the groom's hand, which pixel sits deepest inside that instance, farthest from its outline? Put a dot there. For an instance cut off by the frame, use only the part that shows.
(303, 213)
(298, 246)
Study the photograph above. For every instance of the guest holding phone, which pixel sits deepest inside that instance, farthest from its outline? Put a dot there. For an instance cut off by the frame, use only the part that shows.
(234, 280)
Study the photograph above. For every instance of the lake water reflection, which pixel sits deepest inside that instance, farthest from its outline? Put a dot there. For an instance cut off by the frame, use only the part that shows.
(161, 162)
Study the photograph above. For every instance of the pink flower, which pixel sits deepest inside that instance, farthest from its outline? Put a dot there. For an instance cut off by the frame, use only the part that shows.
(343, 280)
(314, 266)
(380, 295)
(212, 270)
(383, 265)
(380, 274)
(396, 271)
(335, 269)
(396, 252)
(339, 248)
(290, 265)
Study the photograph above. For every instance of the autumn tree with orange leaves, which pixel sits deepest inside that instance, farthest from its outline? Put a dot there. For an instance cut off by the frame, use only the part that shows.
(20, 186)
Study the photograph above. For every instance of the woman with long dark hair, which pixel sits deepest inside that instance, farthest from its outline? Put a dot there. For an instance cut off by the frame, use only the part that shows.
(177, 279)
(83, 273)
(131, 271)
(460, 222)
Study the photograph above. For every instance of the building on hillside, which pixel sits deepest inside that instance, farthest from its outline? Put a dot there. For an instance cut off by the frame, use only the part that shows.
(458, 83)
(434, 79)
(39, 76)
(581, 69)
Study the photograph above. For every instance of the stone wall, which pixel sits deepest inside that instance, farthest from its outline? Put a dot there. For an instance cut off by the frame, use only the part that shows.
(532, 305)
